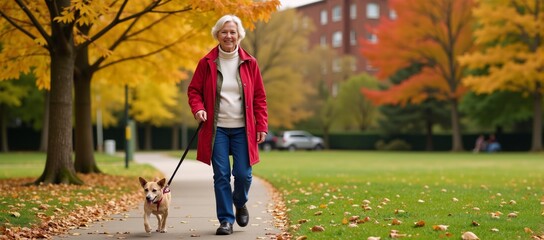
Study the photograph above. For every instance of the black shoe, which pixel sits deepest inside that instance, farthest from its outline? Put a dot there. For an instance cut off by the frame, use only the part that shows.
(242, 216)
(224, 229)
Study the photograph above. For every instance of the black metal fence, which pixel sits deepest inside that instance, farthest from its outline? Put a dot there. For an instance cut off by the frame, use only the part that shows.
(28, 139)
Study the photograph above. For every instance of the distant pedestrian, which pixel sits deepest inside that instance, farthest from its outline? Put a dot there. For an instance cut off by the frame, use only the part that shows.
(492, 144)
(480, 144)
(227, 95)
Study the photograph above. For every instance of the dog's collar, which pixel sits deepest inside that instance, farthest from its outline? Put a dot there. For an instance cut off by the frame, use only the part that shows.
(165, 190)
(159, 204)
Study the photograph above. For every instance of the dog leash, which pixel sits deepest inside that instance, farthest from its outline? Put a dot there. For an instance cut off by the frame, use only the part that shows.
(184, 154)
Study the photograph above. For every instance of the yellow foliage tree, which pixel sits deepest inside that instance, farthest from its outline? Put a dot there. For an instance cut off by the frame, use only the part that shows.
(277, 45)
(510, 36)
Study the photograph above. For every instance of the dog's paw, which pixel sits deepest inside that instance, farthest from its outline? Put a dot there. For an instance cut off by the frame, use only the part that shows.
(163, 231)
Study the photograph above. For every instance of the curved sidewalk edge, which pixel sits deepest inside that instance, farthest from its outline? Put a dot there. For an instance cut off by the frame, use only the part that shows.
(192, 210)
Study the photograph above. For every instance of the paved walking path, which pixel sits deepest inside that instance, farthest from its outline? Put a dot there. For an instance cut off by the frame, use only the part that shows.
(192, 212)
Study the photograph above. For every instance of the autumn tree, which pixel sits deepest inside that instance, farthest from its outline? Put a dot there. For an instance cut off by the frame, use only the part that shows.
(325, 71)
(151, 106)
(321, 102)
(38, 24)
(430, 33)
(60, 28)
(322, 74)
(510, 35)
(354, 110)
(277, 45)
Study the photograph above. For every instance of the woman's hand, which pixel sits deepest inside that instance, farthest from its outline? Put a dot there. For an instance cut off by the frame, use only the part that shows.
(201, 116)
(260, 137)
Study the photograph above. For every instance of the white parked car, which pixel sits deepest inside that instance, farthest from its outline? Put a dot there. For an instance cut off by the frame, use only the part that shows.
(296, 139)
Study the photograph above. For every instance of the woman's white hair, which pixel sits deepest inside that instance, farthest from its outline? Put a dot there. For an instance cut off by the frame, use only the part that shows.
(229, 18)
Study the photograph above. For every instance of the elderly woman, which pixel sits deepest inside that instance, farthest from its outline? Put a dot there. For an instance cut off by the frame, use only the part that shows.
(227, 96)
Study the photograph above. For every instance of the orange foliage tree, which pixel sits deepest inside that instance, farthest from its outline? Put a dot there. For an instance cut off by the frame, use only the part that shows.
(432, 34)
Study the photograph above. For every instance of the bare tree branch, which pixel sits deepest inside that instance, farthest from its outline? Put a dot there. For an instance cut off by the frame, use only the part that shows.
(14, 24)
(163, 48)
(34, 22)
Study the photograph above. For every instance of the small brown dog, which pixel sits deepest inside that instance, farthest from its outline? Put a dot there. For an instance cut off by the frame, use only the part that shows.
(157, 201)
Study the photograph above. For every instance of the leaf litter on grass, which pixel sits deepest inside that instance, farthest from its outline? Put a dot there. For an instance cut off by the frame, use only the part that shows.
(56, 209)
(317, 200)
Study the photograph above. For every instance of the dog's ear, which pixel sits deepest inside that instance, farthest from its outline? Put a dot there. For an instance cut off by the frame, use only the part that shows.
(142, 181)
(162, 182)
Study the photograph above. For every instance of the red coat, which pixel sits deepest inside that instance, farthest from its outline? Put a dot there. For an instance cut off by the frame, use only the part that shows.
(201, 93)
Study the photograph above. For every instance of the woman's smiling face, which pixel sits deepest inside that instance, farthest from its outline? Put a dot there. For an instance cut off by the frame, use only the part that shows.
(228, 36)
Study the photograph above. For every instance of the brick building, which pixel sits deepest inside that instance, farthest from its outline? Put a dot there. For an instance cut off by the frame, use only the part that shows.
(340, 24)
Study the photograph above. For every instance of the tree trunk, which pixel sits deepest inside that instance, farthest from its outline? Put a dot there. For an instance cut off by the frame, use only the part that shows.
(147, 144)
(457, 141)
(429, 129)
(537, 121)
(184, 137)
(3, 129)
(85, 162)
(59, 167)
(326, 136)
(175, 137)
(45, 126)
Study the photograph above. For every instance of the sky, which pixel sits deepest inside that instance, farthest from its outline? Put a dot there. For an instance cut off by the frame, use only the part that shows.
(294, 3)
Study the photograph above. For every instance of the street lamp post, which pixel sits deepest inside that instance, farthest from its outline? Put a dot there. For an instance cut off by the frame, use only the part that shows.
(127, 127)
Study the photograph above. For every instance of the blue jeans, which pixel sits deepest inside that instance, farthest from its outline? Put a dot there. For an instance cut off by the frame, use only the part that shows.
(230, 141)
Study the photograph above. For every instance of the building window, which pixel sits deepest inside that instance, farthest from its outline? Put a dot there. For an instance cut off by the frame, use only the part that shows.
(337, 13)
(373, 11)
(353, 11)
(352, 38)
(336, 65)
(323, 41)
(373, 38)
(392, 14)
(337, 39)
(323, 17)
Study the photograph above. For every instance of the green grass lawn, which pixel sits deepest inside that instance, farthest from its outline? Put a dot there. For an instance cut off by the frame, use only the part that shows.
(459, 190)
(28, 164)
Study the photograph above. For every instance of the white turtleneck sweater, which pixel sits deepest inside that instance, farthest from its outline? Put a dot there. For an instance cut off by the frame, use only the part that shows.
(231, 114)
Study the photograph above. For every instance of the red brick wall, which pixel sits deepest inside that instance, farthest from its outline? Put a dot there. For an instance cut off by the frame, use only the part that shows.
(345, 25)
